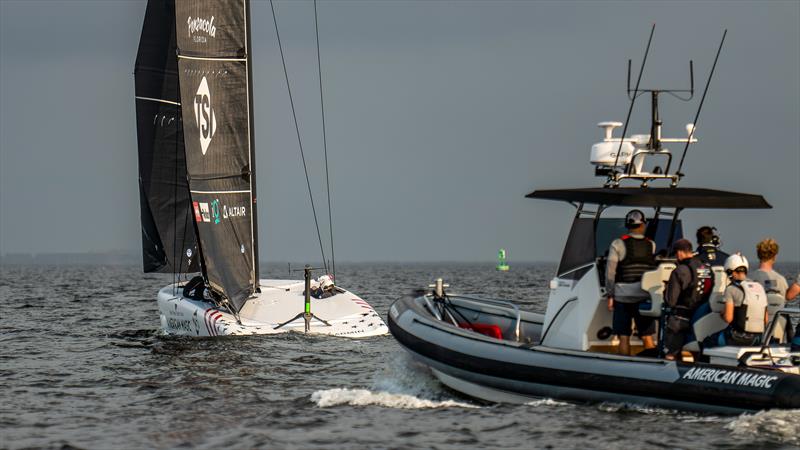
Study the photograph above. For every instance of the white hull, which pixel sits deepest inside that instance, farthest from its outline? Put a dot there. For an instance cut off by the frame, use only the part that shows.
(279, 301)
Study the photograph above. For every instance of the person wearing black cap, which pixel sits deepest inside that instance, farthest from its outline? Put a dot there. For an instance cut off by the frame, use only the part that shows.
(708, 246)
(628, 258)
(689, 286)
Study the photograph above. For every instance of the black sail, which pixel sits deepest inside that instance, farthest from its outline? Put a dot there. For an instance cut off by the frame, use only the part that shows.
(168, 238)
(213, 65)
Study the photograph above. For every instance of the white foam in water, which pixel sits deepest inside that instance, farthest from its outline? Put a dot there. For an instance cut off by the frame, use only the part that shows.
(775, 425)
(403, 384)
(546, 402)
(364, 397)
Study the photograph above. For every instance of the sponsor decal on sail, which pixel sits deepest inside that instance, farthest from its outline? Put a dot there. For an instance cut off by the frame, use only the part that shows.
(215, 210)
(730, 377)
(198, 25)
(205, 212)
(197, 216)
(233, 211)
(204, 115)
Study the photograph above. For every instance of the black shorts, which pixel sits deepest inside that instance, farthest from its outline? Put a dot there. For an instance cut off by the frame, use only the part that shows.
(624, 313)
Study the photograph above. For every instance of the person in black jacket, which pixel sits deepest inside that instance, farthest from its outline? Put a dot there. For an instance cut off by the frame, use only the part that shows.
(689, 286)
(708, 247)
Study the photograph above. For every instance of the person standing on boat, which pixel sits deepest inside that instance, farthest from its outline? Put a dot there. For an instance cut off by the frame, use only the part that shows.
(745, 306)
(708, 246)
(628, 258)
(688, 288)
(772, 281)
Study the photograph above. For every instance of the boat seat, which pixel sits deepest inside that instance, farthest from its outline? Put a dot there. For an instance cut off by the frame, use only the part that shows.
(705, 322)
(654, 282)
(775, 303)
(720, 283)
(483, 328)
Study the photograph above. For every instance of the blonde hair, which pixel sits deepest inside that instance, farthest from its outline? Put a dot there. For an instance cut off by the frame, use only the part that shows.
(767, 249)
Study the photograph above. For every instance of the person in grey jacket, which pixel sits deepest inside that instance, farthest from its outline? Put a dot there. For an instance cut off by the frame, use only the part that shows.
(628, 258)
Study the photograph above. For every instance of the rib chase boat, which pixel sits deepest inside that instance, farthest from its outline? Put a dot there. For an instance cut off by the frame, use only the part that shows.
(197, 183)
(492, 350)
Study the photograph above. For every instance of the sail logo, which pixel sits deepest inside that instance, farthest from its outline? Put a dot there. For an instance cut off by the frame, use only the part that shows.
(215, 210)
(204, 212)
(199, 24)
(204, 115)
(233, 211)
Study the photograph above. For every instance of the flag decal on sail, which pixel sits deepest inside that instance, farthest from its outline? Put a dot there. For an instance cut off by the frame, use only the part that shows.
(204, 115)
(197, 216)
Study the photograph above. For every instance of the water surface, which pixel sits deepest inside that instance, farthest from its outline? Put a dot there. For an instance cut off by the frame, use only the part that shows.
(82, 365)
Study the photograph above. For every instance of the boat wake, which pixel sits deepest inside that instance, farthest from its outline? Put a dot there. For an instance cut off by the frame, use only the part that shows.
(364, 397)
(403, 384)
(777, 425)
(546, 402)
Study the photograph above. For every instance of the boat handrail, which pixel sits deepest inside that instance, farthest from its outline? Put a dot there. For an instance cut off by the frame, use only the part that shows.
(496, 302)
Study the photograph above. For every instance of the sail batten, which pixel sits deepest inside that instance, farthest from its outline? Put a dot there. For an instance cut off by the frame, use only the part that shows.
(168, 240)
(214, 73)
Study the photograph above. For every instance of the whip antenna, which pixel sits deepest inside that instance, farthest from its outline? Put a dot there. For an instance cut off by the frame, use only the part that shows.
(700, 106)
(635, 93)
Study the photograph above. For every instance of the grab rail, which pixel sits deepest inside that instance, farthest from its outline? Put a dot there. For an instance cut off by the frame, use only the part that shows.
(495, 302)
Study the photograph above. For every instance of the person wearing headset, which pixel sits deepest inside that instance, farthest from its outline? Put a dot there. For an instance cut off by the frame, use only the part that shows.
(708, 247)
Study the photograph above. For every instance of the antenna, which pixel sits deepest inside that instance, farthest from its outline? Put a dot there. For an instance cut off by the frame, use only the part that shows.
(700, 106)
(633, 100)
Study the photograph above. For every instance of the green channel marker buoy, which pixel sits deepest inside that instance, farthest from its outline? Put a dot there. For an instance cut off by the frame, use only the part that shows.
(502, 266)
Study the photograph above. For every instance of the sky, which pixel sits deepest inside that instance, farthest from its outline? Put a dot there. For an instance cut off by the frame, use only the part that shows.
(440, 117)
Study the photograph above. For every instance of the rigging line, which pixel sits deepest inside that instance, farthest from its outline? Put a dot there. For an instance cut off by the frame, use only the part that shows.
(702, 99)
(325, 144)
(635, 94)
(175, 275)
(297, 130)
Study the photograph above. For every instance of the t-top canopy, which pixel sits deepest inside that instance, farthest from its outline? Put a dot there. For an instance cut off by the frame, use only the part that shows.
(656, 197)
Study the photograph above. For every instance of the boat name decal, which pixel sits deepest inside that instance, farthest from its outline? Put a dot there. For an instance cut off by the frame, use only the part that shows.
(198, 24)
(730, 377)
(185, 325)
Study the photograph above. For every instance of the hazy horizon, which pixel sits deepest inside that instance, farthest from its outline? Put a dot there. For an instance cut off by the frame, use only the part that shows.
(440, 117)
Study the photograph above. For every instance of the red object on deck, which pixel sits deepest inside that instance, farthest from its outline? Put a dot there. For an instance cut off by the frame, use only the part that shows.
(482, 328)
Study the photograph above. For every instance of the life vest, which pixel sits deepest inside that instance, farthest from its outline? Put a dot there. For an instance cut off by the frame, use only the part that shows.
(699, 290)
(638, 259)
(711, 255)
(749, 317)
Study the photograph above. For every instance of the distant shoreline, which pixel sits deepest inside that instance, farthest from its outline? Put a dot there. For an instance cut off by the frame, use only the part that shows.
(126, 258)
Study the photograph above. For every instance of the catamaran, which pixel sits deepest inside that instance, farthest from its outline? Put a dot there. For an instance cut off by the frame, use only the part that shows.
(197, 184)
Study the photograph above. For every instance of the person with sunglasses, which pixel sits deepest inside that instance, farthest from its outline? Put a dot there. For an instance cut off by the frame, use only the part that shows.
(745, 305)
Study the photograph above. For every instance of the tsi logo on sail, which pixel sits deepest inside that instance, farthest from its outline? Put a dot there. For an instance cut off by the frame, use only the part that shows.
(204, 115)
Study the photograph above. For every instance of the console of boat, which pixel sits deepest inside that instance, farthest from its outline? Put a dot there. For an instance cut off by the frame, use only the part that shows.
(492, 350)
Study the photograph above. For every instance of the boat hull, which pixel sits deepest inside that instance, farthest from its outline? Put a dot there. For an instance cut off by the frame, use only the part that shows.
(505, 371)
(279, 302)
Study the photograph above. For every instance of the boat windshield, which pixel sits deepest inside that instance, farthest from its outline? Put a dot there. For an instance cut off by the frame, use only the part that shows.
(609, 229)
(586, 243)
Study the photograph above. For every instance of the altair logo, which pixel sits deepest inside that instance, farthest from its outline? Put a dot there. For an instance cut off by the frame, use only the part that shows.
(199, 24)
(204, 115)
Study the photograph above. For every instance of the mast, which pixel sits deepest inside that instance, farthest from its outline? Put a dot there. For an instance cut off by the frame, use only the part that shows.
(253, 207)
(215, 85)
